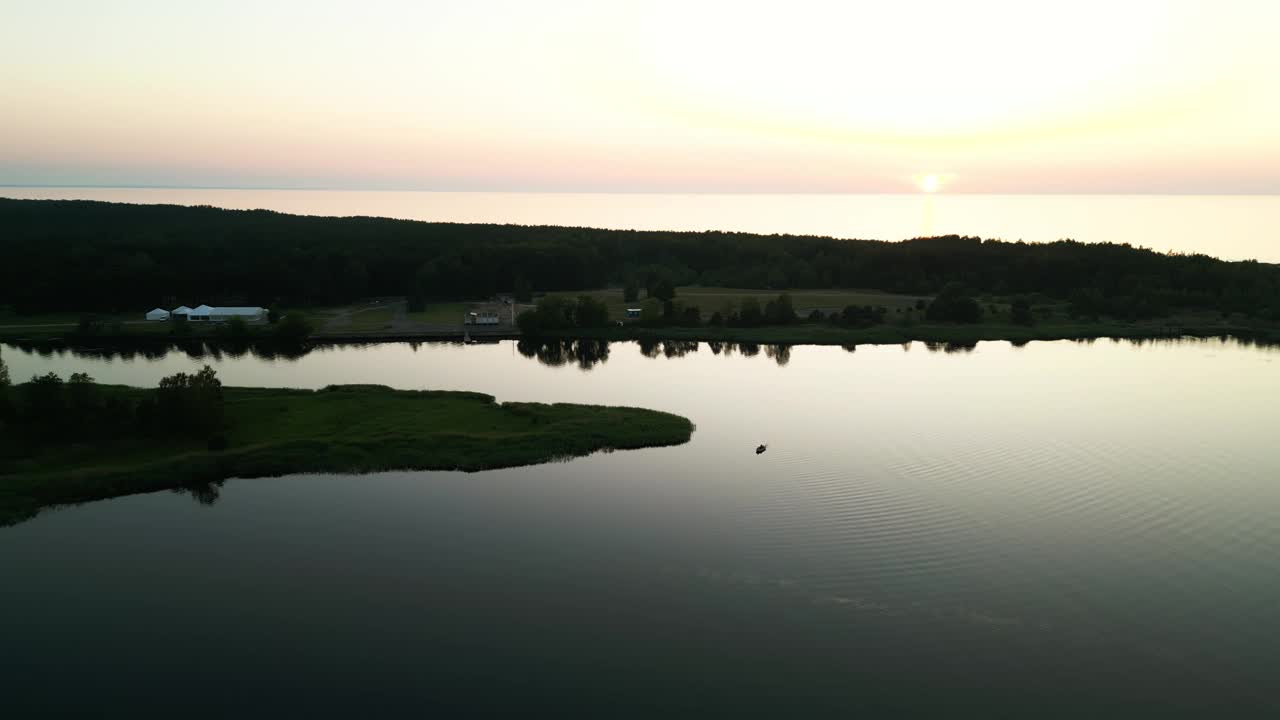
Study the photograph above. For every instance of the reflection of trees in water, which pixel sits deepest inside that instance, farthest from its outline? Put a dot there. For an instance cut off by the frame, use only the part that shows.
(651, 348)
(194, 349)
(781, 354)
(206, 493)
(555, 353)
(950, 347)
(679, 348)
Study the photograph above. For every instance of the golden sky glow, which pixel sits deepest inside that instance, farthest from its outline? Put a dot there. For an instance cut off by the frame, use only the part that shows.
(710, 95)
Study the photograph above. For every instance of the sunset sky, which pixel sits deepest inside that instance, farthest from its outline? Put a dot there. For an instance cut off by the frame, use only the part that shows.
(716, 96)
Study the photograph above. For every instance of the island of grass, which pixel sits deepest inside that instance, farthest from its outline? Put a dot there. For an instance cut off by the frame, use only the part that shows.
(270, 432)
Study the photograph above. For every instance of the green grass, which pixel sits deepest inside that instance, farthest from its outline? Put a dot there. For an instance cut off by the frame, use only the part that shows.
(373, 319)
(441, 314)
(344, 429)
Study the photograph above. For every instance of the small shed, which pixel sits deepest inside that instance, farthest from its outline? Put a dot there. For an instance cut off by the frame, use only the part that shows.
(482, 317)
(633, 313)
(158, 314)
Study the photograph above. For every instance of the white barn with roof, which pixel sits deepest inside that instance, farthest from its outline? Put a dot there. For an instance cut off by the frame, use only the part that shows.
(158, 314)
(208, 313)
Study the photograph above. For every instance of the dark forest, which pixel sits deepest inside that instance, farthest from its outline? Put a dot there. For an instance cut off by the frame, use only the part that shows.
(108, 257)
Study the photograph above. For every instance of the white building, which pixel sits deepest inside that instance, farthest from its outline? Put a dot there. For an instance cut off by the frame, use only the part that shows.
(182, 310)
(484, 317)
(158, 314)
(250, 314)
(205, 313)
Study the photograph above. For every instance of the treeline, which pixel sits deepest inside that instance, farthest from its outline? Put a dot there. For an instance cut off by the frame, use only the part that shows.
(77, 255)
(49, 411)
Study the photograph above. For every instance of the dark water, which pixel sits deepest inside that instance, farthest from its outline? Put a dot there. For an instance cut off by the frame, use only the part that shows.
(1063, 529)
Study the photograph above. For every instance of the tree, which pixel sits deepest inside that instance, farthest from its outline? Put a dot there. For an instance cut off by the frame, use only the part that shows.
(631, 292)
(45, 407)
(861, 316)
(523, 291)
(750, 314)
(953, 304)
(4, 371)
(84, 402)
(591, 313)
(1087, 303)
(416, 302)
(551, 314)
(663, 291)
(273, 315)
(691, 316)
(82, 394)
(191, 404)
(652, 313)
(780, 311)
(1020, 312)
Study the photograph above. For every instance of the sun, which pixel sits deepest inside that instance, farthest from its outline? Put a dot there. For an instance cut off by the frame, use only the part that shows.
(930, 182)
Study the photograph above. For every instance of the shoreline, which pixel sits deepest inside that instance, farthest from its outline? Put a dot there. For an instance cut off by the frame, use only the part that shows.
(799, 334)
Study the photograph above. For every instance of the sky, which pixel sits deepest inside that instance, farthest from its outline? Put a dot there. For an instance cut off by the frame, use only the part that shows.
(982, 96)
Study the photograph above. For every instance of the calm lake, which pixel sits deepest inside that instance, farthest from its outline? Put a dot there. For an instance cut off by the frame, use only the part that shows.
(1060, 529)
(1232, 227)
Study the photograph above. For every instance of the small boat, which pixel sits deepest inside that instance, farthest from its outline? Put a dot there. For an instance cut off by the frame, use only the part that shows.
(761, 449)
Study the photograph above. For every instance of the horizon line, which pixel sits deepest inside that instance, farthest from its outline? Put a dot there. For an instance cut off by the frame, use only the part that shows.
(615, 192)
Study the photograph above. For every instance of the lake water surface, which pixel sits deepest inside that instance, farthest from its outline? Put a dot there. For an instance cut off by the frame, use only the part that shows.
(1061, 529)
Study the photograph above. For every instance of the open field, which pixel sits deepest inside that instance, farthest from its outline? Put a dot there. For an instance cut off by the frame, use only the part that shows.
(344, 429)
(440, 313)
(378, 318)
(713, 299)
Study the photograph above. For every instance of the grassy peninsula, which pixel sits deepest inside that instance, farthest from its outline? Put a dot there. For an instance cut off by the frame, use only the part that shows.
(258, 432)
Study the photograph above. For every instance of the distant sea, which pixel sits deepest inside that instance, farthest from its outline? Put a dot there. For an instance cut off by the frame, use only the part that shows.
(1233, 227)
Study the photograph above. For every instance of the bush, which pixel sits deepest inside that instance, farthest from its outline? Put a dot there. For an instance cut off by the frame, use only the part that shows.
(953, 304)
(861, 316)
(780, 311)
(293, 329)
